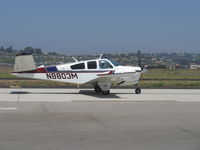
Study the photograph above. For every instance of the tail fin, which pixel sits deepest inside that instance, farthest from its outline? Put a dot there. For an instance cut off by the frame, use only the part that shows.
(24, 62)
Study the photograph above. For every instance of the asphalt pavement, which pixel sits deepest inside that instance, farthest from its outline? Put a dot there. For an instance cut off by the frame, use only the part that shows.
(42, 119)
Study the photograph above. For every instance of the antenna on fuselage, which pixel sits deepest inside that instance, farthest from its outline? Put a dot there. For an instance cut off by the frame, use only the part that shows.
(100, 56)
(75, 59)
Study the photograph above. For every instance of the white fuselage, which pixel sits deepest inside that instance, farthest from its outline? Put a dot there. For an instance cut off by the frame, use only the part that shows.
(90, 71)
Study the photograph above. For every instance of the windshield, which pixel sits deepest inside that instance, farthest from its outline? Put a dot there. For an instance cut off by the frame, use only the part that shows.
(115, 63)
(104, 64)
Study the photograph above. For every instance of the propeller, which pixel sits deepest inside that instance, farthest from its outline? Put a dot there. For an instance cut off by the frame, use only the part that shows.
(142, 66)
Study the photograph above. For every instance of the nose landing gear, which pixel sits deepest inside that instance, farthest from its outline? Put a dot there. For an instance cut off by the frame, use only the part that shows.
(137, 90)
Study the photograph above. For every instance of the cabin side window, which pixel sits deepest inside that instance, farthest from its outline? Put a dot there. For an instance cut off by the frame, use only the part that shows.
(78, 66)
(103, 64)
(92, 65)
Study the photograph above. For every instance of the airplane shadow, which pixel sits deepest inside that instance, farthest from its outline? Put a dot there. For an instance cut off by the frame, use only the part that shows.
(83, 92)
(98, 95)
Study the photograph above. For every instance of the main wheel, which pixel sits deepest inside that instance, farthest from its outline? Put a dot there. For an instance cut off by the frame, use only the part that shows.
(137, 91)
(106, 92)
(97, 89)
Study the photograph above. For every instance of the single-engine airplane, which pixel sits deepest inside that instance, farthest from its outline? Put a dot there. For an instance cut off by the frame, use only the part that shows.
(100, 73)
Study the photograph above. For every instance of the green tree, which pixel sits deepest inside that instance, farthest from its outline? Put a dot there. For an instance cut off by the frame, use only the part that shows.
(9, 49)
(28, 49)
(2, 49)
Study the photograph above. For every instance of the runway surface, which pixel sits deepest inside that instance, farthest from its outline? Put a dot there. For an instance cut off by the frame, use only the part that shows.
(66, 119)
(68, 95)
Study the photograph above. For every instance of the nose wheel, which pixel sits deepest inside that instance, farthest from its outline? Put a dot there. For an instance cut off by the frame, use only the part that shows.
(137, 90)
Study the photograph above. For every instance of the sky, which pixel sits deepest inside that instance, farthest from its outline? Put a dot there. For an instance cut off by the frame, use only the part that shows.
(101, 26)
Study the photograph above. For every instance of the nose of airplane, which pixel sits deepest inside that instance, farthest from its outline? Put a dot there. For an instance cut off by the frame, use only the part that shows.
(127, 69)
(137, 69)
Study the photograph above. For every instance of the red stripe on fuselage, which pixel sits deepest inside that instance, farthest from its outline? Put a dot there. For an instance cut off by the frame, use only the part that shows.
(37, 70)
(41, 70)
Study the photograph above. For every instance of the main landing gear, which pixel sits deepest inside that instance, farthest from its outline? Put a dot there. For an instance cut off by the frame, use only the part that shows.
(97, 89)
(106, 92)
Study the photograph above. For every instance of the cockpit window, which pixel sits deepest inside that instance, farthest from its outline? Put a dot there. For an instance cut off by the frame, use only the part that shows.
(115, 63)
(78, 66)
(92, 65)
(103, 64)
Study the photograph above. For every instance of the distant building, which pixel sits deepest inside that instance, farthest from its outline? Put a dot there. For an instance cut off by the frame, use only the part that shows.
(174, 66)
(194, 66)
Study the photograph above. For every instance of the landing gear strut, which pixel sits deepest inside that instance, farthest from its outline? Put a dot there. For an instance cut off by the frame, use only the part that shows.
(137, 90)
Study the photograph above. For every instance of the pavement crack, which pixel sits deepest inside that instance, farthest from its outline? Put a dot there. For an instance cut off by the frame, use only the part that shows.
(189, 132)
(98, 121)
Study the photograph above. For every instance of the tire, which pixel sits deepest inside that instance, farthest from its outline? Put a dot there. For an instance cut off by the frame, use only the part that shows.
(106, 92)
(137, 91)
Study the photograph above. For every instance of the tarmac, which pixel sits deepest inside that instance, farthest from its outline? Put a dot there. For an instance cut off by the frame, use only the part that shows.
(79, 119)
(76, 94)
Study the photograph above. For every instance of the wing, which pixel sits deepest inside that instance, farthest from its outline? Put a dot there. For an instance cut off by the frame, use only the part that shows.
(116, 78)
